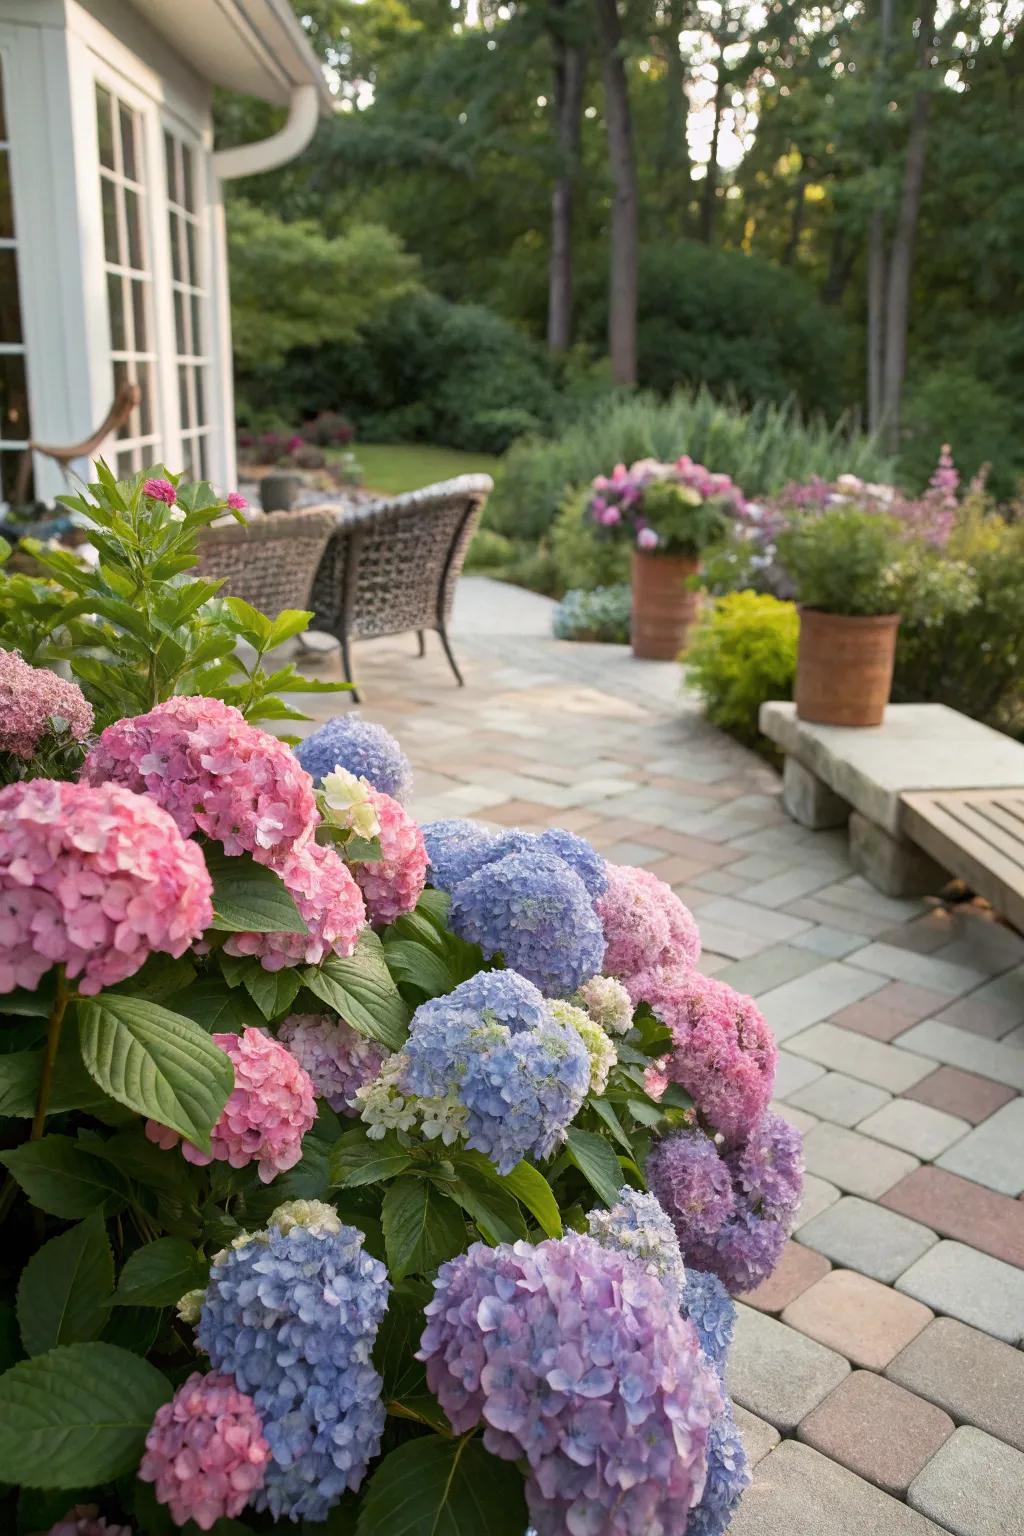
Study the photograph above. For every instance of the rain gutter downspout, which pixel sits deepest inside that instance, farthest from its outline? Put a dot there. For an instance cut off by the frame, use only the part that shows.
(268, 154)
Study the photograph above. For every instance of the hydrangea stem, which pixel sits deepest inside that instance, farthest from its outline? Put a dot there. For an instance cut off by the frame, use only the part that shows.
(53, 1029)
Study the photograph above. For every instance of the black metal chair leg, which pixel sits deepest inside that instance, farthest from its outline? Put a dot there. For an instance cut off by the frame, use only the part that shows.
(423, 642)
(346, 662)
(446, 643)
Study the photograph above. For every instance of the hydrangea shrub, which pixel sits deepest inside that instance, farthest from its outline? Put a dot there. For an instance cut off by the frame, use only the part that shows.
(349, 1164)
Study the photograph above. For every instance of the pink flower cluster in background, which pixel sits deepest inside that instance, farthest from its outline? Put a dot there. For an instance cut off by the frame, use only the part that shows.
(95, 879)
(621, 494)
(338, 1059)
(86, 1520)
(392, 885)
(645, 924)
(205, 1451)
(270, 1109)
(32, 700)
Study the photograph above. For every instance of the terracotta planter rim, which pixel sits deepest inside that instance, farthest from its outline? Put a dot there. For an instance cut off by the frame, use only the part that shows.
(850, 618)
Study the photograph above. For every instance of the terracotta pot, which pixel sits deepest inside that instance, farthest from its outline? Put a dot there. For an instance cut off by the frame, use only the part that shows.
(279, 489)
(664, 608)
(844, 667)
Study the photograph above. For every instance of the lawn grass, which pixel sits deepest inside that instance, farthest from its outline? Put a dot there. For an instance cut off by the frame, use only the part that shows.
(391, 468)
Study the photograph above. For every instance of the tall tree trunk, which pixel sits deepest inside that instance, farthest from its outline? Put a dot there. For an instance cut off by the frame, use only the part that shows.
(901, 259)
(709, 196)
(570, 71)
(674, 155)
(622, 281)
(840, 267)
(876, 234)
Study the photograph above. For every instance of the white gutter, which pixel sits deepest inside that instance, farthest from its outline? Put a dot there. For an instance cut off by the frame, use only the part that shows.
(289, 141)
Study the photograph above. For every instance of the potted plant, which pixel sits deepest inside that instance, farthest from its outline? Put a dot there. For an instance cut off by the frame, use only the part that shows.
(674, 512)
(847, 567)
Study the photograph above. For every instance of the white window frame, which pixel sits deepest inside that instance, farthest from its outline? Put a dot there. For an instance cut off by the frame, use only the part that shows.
(196, 428)
(12, 447)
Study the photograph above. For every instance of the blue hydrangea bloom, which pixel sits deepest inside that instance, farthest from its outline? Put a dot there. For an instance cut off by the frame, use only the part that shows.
(293, 1318)
(365, 749)
(728, 1475)
(455, 849)
(711, 1310)
(638, 1227)
(579, 855)
(494, 1044)
(535, 912)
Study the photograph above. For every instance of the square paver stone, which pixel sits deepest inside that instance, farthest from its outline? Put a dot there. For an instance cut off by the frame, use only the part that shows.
(956, 1048)
(965, 1094)
(973, 1485)
(930, 971)
(878, 1430)
(993, 1153)
(961, 1209)
(865, 1237)
(978, 1380)
(867, 1322)
(799, 1492)
(890, 1011)
(797, 1269)
(972, 1286)
(915, 1128)
(871, 1061)
(818, 1195)
(777, 1373)
(759, 1437)
(838, 1098)
(858, 1164)
(804, 1001)
(793, 1073)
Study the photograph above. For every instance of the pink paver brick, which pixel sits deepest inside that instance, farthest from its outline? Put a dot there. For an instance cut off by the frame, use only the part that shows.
(859, 1318)
(961, 1093)
(961, 1209)
(891, 1010)
(878, 1430)
(797, 1269)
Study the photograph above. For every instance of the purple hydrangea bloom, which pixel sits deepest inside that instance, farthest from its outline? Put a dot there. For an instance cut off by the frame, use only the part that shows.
(769, 1168)
(743, 1252)
(455, 849)
(337, 1057)
(693, 1186)
(638, 1227)
(535, 912)
(574, 1358)
(711, 1310)
(365, 749)
(293, 1317)
(728, 1475)
(494, 1044)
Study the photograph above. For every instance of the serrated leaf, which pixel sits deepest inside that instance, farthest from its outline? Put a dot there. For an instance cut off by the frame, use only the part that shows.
(65, 1288)
(60, 1177)
(214, 1005)
(71, 1087)
(606, 1112)
(495, 1211)
(435, 1486)
(360, 989)
(406, 1392)
(421, 1228)
(76, 1416)
(362, 850)
(594, 1158)
(529, 1186)
(159, 1274)
(250, 898)
(273, 992)
(158, 1063)
(419, 967)
(355, 1159)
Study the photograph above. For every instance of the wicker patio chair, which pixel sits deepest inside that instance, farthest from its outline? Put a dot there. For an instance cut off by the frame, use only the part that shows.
(393, 565)
(268, 561)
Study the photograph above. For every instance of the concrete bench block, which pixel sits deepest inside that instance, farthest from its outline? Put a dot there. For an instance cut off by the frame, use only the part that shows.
(893, 866)
(809, 800)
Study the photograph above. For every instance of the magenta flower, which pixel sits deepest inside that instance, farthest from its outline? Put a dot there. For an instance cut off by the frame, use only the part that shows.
(215, 773)
(34, 704)
(86, 1520)
(692, 1185)
(270, 1109)
(96, 880)
(205, 1451)
(647, 539)
(329, 902)
(236, 502)
(393, 884)
(160, 490)
(645, 924)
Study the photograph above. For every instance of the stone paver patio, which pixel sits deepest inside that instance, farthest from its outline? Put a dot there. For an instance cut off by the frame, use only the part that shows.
(886, 1348)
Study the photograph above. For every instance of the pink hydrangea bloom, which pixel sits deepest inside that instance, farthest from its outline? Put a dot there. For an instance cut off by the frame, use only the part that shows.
(270, 1109)
(160, 490)
(647, 539)
(329, 902)
(205, 1451)
(645, 923)
(337, 1057)
(29, 699)
(236, 502)
(203, 762)
(394, 883)
(724, 1053)
(86, 1520)
(95, 880)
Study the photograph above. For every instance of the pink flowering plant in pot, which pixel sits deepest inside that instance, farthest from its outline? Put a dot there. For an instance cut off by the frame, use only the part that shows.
(351, 1165)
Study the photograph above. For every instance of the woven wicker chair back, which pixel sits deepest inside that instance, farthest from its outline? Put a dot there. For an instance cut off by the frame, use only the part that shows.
(393, 565)
(269, 561)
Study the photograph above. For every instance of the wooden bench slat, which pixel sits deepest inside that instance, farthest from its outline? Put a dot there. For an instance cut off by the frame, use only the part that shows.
(979, 836)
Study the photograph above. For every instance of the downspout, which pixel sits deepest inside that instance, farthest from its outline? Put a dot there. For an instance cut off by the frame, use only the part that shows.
(268, 154)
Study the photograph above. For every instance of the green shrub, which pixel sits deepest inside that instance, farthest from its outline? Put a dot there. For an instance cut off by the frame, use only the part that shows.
(602, 613)
(958, 405)
(581, 558)
(489, 551)
(762, 449)
(845, 561)
(742, 653)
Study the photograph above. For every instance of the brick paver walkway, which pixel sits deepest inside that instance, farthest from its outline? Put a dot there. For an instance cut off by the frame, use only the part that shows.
(885, 1351)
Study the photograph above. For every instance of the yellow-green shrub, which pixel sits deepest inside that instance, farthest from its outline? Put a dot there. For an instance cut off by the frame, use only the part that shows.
(742, 653)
